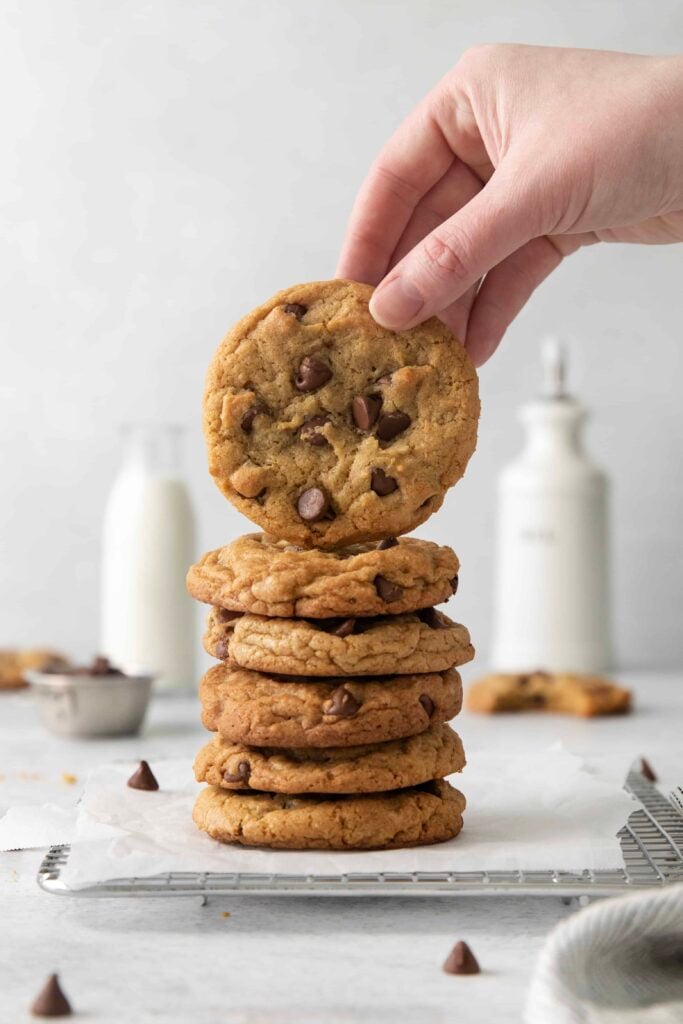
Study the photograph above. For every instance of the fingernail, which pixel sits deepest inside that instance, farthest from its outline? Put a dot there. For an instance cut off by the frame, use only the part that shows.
(395, 303)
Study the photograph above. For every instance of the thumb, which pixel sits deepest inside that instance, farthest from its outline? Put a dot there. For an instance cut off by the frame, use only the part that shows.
(495, 223)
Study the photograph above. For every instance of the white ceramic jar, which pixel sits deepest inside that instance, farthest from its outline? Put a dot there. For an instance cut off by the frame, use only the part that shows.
(552, 594)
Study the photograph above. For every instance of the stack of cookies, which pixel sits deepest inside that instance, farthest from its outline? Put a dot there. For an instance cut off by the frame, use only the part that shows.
(336, 675)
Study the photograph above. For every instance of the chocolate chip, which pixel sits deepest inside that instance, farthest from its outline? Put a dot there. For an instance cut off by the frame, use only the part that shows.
(241, 775)
(365, 410)
(143, 778)
(428, 704)
(312, 374)
(51, 1001)
(537, 700)
(310, 432)
(341, 703)
(523, 681)
(382, 484)
(296, 309)
(221, 650)
(647, 771)
(432, 618)
(250, 415)
(388, 542)
(391, 424)
(225, 615)
(313, 504)
(461, 960)
(454, 584)
(387, 590)
(99, 666)
(337, 627)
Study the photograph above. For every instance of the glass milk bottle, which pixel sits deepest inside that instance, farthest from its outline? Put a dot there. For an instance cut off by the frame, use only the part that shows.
(552, 597)
(148, 544)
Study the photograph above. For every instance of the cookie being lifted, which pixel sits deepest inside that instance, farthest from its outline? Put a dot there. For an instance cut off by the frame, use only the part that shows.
(327, 429)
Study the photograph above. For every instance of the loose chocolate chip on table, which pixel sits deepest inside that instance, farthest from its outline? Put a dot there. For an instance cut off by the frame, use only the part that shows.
(310, 432)
(313, 504)
(647, 771)
(382, 484)
(312, 374)
(432, 618)
(143, 778)
(454, 584)
(296, 309)
(241, 775)
(387, 590)
(250, 415)
(365, 410)
(391, 424)
(427, 703)
(342, 703)
(51, 1001)
(461, 960)
(388, 542)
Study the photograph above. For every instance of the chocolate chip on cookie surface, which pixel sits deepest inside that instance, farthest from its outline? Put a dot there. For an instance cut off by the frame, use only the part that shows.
(430, 813)
(271, 710)
(327, 429)
(259, 574)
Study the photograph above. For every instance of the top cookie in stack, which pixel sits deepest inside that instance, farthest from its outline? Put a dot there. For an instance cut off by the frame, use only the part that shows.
(326, 429)
(337, 675)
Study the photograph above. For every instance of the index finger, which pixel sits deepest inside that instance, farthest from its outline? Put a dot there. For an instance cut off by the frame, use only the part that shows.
(416, 156)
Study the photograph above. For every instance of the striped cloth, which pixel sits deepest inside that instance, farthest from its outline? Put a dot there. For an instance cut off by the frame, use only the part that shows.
(619, 961)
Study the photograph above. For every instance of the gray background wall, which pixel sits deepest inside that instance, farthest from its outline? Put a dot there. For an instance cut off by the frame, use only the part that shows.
(167, 165)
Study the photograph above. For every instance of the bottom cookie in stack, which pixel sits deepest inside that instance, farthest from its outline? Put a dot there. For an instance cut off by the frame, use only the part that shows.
(418, 816)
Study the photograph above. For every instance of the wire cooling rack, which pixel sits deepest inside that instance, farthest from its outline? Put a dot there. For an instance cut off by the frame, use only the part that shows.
(651, 844)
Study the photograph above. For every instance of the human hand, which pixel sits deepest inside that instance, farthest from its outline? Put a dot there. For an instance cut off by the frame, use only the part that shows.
(518, 157)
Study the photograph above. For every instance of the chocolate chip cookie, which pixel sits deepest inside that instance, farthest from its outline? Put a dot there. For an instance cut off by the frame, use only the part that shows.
(542, 691)
(292, 711)
(423, 641)
(418, 816)
(14, 664)
(364, 769)
(259, 574)
(327, 429)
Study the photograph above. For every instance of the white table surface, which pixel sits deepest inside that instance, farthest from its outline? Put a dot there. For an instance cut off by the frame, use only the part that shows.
(281, 959)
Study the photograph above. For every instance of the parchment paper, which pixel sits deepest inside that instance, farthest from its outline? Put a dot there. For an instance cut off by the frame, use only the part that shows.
(537, 811)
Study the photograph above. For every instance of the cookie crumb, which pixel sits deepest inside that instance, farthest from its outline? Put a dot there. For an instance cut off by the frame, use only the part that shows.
(68, 779)
(225, 913)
